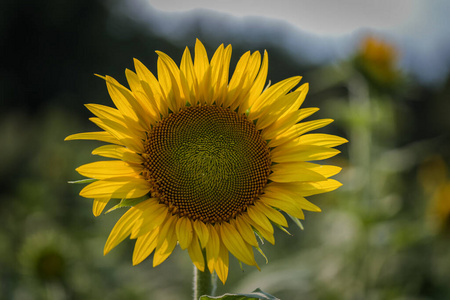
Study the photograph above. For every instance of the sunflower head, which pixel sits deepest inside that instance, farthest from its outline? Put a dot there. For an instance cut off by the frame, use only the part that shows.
(213, 160)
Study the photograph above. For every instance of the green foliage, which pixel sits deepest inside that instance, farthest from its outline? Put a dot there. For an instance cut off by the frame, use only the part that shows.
(82, 181)
(256, 294)
(297, 222)
(127, 203)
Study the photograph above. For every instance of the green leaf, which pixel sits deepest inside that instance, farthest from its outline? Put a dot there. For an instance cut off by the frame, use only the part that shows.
(256, 294)
(282, 228)
(83, 181)
(259, 236)
(297, 222)
(127, 203)
(262, 253)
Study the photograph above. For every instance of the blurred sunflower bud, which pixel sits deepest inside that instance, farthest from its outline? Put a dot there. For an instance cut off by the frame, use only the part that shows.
(44, 257)
(376, 59)
(433, 178)
(441, 208)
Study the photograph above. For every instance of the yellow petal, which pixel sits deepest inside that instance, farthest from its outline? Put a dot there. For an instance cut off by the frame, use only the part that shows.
(99, 205)
(283, 188)
(149, 113)
(304, 153)
(119, 152)
(205, 89)
(145, 245)
(271, 94)
(121, 133)
(212, 247)
(216, 63)
(313, 139)
(258, 84)
(321, 139)
(164, 251)
(273, 112)
(250, 72)
(267, 235)
(122, 229)
(151, 218)
(271, 213)
(167, 228)
(306, 205)
(285, 124)
(106, 112)
(221, 263)
(202, 232)
(291, 196)
(313, 188)
(237, 81)
(133, 81)
(175, 93)
(303, 89)
(184, 232)
(132, 109)
(201, 63)
(295, 131)
(252, 68)
(102, 136)
(108, 169)
(117, 187)
(202, 70)
(234, 242)
(114, 116)
(188, 78)
(117, 129)
(259, 218)
(151, 86)
(195, 252)
(246, 231)
(170, 91)
(325, 170)
(123, 99)
(167, 241)
(220, 66)
(290, 172)
(283, 203)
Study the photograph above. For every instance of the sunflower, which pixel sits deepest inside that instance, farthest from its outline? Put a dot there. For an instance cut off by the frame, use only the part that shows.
(377, 59)
(210, 163)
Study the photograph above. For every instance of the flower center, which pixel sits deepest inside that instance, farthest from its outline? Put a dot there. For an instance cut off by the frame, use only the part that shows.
(207, 163)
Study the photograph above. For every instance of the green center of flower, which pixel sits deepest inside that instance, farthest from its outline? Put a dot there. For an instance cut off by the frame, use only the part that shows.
(207, 163)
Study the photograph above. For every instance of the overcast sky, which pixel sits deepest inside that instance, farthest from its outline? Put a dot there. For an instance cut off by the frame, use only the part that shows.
(325, 17)
(420, 28)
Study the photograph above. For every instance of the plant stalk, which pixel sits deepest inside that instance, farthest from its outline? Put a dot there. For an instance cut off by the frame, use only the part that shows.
(204, 283)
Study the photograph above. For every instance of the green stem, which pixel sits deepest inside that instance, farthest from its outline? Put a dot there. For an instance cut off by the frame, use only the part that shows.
(204, 283)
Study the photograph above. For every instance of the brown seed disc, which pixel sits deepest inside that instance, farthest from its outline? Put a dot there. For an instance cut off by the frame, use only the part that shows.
(207, 163)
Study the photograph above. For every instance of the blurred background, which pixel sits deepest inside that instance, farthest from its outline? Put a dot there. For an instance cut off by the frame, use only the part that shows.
(379, 68)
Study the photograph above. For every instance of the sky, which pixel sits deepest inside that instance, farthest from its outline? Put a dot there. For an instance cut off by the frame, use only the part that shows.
(336, 17)
(419, 28)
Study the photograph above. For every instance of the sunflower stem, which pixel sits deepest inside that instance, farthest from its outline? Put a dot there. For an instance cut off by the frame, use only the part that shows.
(204, 283)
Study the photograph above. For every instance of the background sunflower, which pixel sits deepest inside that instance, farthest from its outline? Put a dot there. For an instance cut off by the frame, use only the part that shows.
(383, 235)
